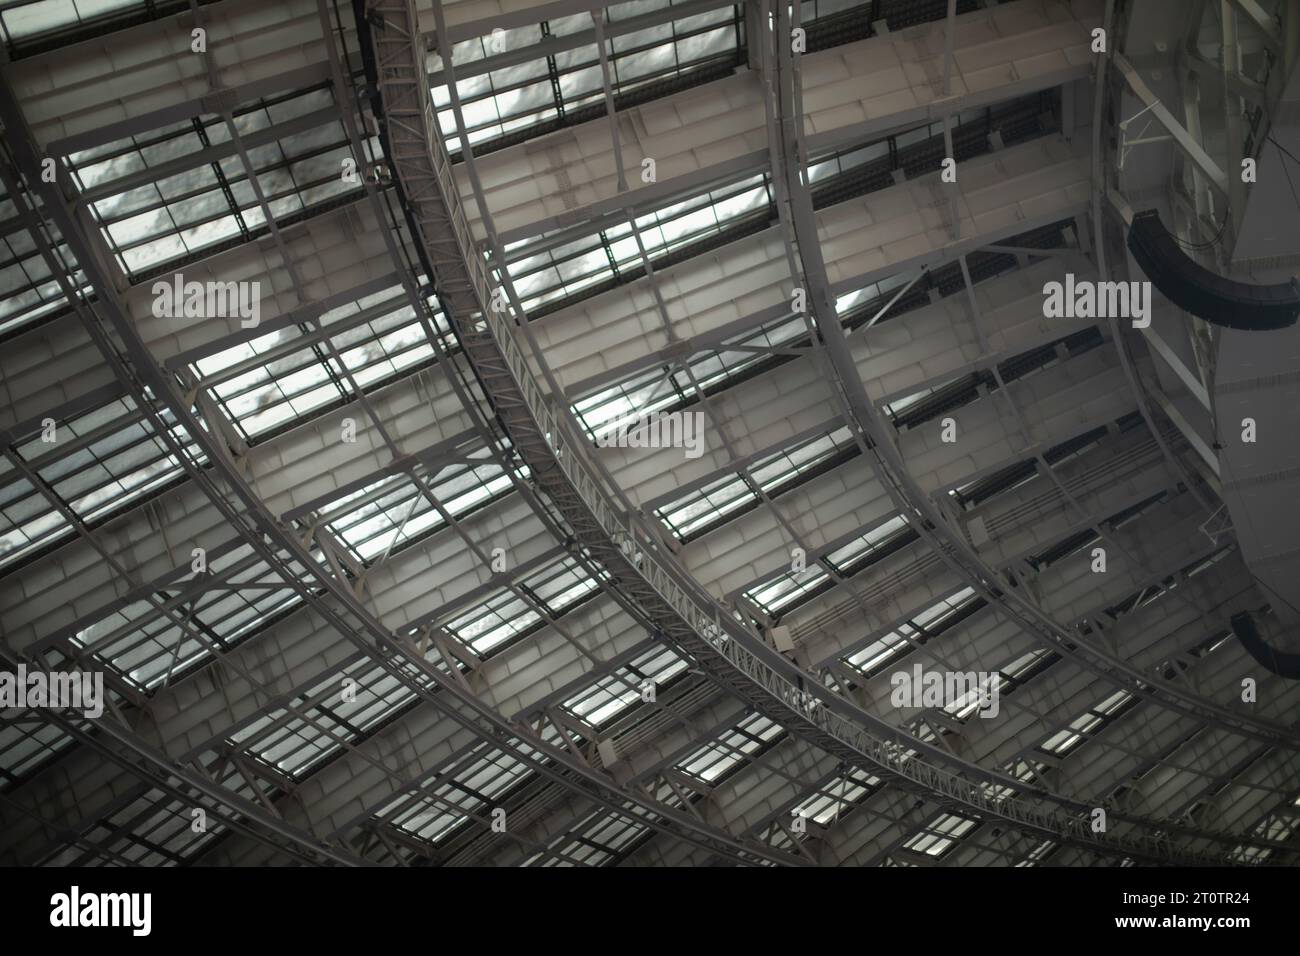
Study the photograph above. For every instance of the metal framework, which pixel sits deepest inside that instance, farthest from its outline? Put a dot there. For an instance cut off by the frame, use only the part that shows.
(634, 555)
(589, 778)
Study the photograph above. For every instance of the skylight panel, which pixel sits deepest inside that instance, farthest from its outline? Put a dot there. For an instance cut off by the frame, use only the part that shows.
(656, 52)
(788, 589)
(369, 526)
(833, 799)
(645, 63)
(561, 272)
(841, 163)
(341, 707)
(562, 587)
(167, 836)
(940, 836)
(27, 522)
(824, 8)
(731, 748)
(156, 829)
(505, 616)
(393, 511)
(234, 614)
(614, 694)
(1023, 665)
(658, 389)
(274, 400)
(1112, 704)
(138, 641)
(28, 738)
(883, 649)
(786, 465)
(1088, 724)
(501, 619)
(1207, 563)
(897, 407)
(1275, 826)
(861, 548)
(1038, 853)
(285, 375)
(617, 12)
(706, 507)
(26, 743)
(491, 774)
(878, 654)
(105, 460)
(712, 505)
(28, 20)
(969, 702)
(28, 292)
(184, 210)
(599, 840)
(880, 289)
(717, 369)
(1063, 741)
(648, 391)
(435, 816)
(934, 616)
(388, 354)
(429, 821)
(615, 833)
(652, 36)
(1003, 681)
(144, 645)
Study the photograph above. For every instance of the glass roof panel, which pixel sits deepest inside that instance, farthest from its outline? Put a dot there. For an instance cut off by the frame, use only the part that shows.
(165, 195)
(514, 99)
(99, 462)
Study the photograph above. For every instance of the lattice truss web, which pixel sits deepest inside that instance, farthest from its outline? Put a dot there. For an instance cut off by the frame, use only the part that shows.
(346, 608)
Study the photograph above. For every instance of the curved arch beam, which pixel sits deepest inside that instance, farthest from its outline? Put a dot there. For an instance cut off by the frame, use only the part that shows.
(155, 391)
(796, 211)
(544, 433)
(894, 476)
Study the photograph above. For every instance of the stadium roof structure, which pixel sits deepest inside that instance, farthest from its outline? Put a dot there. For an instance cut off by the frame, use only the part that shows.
(506, 433)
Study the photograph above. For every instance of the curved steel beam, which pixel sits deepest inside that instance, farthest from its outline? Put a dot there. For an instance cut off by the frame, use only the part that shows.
(921, 512)
(544, 432)
(183, 783)
(155, 391)
(797, 216)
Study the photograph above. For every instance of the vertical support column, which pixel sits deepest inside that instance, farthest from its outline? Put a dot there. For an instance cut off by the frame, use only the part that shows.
(1231, 63)
(950, 25)
(754, 34)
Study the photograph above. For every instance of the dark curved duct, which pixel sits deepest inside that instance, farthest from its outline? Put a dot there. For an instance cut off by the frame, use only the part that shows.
(1214, 298)
(1274, 661)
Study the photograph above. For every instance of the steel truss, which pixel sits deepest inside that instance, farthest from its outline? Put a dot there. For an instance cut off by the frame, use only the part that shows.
(795, 207)
(332, 550)
(640, 566)
(156, 392)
